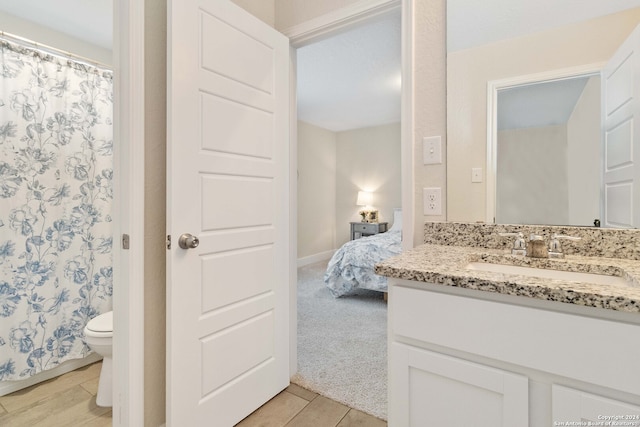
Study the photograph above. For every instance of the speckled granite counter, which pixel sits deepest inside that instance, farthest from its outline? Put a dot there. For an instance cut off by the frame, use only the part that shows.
(446, 265)
(594, 242)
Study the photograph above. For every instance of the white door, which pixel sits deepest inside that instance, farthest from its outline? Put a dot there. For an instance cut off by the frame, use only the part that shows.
(228, 185)
(621, 112)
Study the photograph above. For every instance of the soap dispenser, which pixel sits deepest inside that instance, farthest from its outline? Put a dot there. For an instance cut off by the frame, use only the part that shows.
(536, 247)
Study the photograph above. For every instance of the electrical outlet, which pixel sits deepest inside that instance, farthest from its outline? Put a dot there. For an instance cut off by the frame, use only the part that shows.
(432, 150)
(432, 198)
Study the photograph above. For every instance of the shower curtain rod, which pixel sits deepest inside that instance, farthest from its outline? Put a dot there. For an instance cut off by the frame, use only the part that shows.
(52, 50)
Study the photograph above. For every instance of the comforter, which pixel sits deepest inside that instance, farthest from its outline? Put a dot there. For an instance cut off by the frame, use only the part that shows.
(351, 267)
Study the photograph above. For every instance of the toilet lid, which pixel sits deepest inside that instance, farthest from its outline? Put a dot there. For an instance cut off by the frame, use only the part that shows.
(101, 323)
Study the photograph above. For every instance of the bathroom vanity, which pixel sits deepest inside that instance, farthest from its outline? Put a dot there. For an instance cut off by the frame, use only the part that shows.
(476, 346)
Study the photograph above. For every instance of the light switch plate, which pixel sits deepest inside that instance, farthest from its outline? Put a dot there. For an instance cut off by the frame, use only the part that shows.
(476, 174)
(432, 150)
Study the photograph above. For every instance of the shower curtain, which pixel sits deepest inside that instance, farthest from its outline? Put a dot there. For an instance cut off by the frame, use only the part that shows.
(56, 194)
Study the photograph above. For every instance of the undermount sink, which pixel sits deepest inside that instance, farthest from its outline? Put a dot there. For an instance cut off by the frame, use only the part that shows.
(598, 279)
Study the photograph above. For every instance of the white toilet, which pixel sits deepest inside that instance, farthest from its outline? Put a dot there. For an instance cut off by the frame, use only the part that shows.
(99, 336)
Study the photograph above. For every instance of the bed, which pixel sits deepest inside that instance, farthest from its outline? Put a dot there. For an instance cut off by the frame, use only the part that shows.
(351, 267)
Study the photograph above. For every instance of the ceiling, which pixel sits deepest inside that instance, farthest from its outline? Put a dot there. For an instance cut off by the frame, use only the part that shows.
(88, 20)
(352, 80)
(539, 105)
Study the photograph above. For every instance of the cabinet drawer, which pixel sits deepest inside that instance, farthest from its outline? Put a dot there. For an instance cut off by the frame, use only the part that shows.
(539, 339)
(365, 228)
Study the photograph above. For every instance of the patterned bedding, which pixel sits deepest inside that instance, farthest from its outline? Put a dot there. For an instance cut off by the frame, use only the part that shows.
(351, 267)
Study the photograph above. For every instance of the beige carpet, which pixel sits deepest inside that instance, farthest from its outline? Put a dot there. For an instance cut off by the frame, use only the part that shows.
(342, 344)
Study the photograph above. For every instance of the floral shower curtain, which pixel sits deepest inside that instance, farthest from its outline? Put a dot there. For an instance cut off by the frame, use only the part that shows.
(56, 170)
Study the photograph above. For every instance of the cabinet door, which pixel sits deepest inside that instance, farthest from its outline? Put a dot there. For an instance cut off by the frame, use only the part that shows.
(432, 389)
(569, 405)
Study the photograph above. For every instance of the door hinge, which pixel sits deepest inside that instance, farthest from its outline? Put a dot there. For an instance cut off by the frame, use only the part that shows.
(125, 241)
(168, 241)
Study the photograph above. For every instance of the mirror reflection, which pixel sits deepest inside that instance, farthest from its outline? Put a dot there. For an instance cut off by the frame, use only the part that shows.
(548, 152)
(561, 183)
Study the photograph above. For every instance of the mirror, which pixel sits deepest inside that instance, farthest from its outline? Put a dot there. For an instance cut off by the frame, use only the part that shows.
(488, 74)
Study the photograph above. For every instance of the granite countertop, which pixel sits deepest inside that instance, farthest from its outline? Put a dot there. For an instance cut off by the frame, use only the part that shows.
(446, 265)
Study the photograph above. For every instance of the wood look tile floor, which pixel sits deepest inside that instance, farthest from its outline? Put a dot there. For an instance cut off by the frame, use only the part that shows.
(67, 400)
(298, 407)
(70, 400)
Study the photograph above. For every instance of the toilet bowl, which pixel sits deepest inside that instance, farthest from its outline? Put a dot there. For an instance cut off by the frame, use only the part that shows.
(99, 337)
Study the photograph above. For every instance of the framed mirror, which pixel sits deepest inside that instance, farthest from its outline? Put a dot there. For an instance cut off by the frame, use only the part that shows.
(526, 60)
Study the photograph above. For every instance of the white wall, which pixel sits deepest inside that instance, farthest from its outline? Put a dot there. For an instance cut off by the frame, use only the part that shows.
(264, 10)
(332, 168)
(584, 154)
(316, 190)
(37, 33)
(367, 159)
(532, 176)
(468, 72)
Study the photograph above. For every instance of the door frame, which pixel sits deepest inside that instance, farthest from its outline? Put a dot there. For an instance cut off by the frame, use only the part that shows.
(128, 295)
(318, 29)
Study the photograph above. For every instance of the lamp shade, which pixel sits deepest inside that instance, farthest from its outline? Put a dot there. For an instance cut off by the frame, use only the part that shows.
(365, 198)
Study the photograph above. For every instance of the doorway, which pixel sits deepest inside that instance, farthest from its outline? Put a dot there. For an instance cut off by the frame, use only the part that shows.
(348, 140)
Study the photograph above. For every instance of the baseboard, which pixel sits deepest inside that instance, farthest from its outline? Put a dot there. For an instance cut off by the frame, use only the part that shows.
(322, 256)
(7, 387)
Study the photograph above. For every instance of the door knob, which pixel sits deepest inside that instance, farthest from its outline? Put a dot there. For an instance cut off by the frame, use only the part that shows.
(188, 241)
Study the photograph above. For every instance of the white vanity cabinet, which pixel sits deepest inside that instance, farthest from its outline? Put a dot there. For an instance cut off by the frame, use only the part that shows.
(459, 358)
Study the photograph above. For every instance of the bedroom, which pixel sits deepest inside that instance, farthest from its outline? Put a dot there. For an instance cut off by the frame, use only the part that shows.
(348, 132)
(348, 141)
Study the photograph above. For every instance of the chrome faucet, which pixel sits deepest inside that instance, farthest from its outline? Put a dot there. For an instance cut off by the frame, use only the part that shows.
(519, 245)
(555, 248)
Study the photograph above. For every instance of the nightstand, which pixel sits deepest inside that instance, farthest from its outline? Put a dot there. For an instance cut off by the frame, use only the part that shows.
(362, 229)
